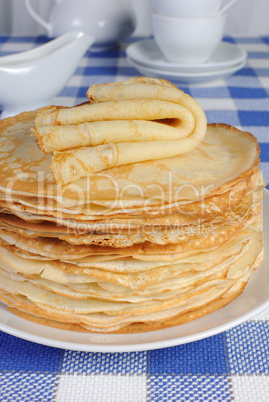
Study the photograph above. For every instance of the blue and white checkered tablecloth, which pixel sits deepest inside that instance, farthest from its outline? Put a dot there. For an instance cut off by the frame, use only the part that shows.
(231, 366)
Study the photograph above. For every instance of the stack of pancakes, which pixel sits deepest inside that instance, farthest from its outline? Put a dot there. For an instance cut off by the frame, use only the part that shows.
(139, 246)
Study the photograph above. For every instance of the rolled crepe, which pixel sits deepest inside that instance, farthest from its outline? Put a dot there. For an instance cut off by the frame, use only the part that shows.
(119, 124)
(127, 122)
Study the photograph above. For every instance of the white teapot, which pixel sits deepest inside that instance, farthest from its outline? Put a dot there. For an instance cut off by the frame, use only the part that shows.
(109, 21)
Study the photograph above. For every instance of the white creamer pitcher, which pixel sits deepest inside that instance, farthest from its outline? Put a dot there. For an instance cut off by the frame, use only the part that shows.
(109, 21)
(31, 79)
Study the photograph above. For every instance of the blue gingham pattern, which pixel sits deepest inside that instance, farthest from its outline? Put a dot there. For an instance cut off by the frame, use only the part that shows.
(232, 366)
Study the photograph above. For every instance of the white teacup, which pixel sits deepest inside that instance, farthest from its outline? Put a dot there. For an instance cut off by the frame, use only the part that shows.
(187, 40)
(190, 8)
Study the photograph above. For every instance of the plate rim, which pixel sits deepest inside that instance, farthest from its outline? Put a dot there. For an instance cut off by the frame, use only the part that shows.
(179, 74)
(191, 78)
(132, 346)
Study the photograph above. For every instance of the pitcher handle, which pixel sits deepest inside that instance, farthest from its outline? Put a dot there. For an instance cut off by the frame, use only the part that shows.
(37, 17)
(226, 6)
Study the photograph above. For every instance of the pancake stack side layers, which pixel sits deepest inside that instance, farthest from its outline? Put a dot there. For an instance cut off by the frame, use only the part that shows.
(127, 213)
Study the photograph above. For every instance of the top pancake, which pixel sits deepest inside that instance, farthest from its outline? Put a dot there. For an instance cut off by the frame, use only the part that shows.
(225, 156)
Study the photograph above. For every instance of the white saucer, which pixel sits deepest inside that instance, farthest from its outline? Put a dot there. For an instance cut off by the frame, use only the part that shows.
(146, 52)
(187, 77)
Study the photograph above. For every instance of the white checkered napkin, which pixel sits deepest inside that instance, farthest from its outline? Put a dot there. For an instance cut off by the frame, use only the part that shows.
(224, 367)
(100, 376)
(80, 388)
(20, 386)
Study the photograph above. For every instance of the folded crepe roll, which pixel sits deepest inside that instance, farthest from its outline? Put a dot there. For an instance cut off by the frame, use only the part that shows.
(127, 122)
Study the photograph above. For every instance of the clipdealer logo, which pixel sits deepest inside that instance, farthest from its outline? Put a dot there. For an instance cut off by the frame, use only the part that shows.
(122, 207)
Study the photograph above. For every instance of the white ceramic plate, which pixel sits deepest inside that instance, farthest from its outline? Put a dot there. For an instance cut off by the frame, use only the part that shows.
(184, 77)
(147, 53)
(252, 301)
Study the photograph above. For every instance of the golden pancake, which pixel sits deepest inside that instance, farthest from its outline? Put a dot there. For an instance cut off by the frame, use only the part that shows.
(170, 230)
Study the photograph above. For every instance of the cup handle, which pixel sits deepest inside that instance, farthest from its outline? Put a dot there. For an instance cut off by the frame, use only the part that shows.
(226, 6)
(37, 18)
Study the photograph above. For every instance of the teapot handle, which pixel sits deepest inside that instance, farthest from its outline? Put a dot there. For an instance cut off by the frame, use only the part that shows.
(227, 6)
(37, 18)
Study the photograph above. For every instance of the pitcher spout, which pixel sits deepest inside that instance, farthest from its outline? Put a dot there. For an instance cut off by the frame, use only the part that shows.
(76, 41)
(80, 41)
